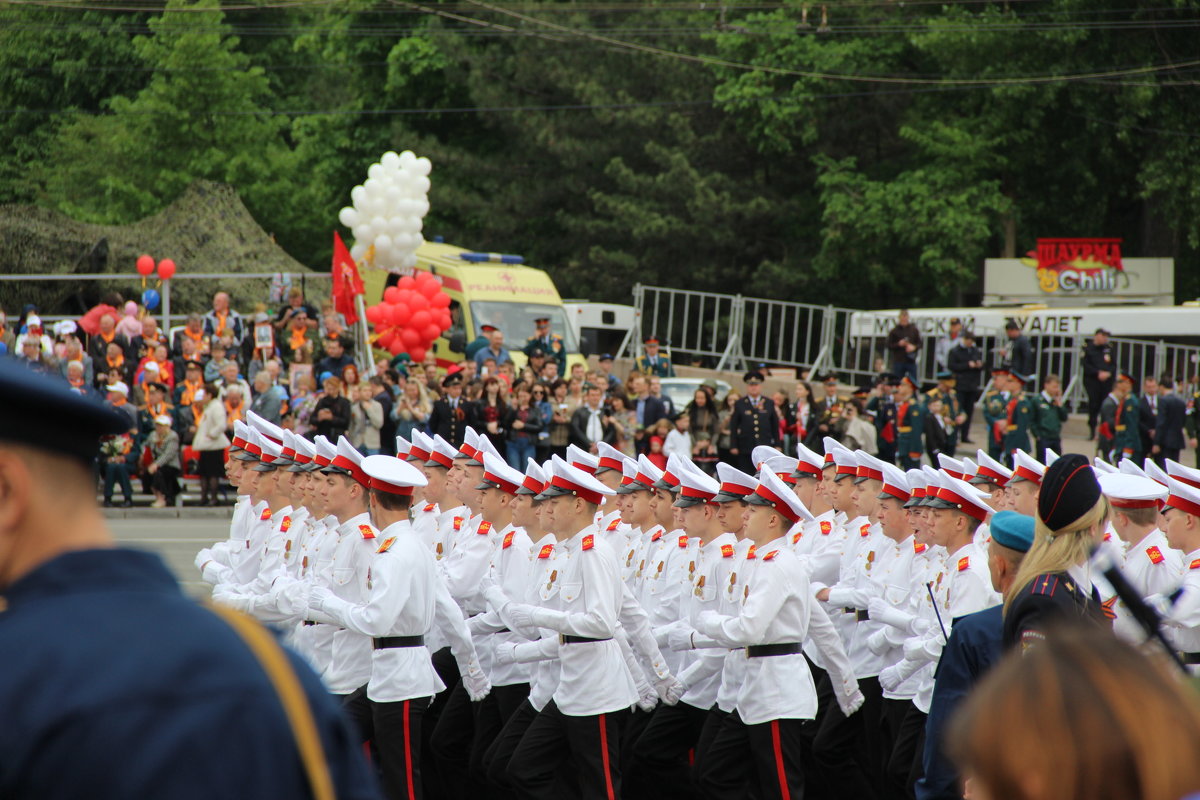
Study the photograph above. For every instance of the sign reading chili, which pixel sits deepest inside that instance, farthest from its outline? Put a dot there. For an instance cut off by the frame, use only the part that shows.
(1078, 265)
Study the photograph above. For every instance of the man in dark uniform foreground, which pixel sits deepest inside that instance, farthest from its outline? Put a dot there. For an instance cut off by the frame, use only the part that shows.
(116, 685)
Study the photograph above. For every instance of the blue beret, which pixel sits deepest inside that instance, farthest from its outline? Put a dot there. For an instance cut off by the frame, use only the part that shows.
(41, 411)
(1012, 530)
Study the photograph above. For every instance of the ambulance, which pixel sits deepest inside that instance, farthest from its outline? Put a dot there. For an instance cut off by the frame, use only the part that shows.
(485, 289)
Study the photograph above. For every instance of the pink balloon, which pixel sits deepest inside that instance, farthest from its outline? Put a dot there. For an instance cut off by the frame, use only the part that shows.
(145, 265)
(417, 354)
(391, 295)
(396, 347)
(166, 269)
(406, 283)
(411, 338)
(401, 315)
(432, 331)
(440, 300)
(420, 320)
(374, 314)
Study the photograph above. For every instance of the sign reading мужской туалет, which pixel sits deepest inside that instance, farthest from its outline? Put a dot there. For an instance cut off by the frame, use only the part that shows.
(1078, 272)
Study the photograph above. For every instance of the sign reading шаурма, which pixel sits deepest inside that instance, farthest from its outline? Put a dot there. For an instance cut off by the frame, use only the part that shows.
(1075, 272)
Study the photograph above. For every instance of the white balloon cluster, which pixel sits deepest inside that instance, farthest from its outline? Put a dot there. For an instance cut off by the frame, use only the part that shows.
(388, 209)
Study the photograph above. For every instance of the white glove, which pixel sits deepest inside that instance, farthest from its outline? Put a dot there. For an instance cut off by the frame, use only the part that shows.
(317, 595)
(202, 557)
(670, 689)
(850, 704)
(890, 679)
(877, 642)
(883, 611)
(495, 596)
(680, 638)
(487, 583)
(520, 616)
(477, 683)
(505, 653)
(291, 598)
(647, 697)
(707, 620)
(1161, 605)
(915, 649)
(215, 573)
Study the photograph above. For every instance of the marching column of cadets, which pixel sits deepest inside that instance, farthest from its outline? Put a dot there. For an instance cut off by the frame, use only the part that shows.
(598, 627)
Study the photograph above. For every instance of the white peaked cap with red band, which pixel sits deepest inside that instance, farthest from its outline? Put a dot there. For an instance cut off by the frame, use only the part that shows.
(951, 466)
(1132, 491)
(581, 459)
(916, 486)
(895, 483)
(390, 474)
(961, 496)
(568, 480)
(1184, 497)
(1103, 467)
(1051, 456)
(240, 431)
(695, 487)
(989, 470)
(534, 480)
(608, 457)
(271, 451)
(808, 462)
(402, 447)
(735, 484)
(784, 467)
(1183, 474)
(868, 466)
(763, 453)
(326, 450)
(497, 474)
(485, 446)
(1027, 468)
(1156, 472)
(305, 450)
(772, 491)
(420, 447)
(831, 444)
(348, 460)
(846, 463)
(470, 446)
(441, 452)
(968, 469)
(647, 473)
(265, 427)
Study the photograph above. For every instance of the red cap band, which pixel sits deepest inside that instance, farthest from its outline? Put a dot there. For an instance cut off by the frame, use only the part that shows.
(560, 482)
(390, 488)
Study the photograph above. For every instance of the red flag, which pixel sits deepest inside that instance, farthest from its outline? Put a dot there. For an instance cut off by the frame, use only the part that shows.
(346, 282)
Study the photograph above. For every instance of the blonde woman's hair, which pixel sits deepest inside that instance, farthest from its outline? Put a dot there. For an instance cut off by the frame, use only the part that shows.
(1055, 551)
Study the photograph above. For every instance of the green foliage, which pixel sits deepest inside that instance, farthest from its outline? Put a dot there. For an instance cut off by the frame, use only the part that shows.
(875, 162)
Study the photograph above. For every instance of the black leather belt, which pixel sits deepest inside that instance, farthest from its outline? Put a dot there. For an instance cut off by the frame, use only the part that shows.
(565, 638)
(859, 614)
(1190, 658)
(308, 622)
(768, 650)
(388, 642)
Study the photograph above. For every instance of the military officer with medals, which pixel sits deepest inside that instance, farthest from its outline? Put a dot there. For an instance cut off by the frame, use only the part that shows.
(1018, 416)
(755, 422)
(652, 362)
(951, 410)
(452, 414)
(550, 344)
(910, 424)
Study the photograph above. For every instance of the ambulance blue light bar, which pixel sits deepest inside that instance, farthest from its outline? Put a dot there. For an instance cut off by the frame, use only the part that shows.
(491, 258)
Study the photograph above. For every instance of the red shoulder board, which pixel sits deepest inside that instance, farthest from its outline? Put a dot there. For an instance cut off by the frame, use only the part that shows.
(1156, 556)
(367, 531)
(287, 523)
(796, 536)
(770, 555)
(1107, 536)
(826, 527)
(546, 550)
(484, 527)
(683, 540)
(266, 514)
(750, 553)
(612, 526)
(963, 563)
(726, 551)
(865, 530)
(429, 507)
(589, 542)
(508, 537)
(656, 536)
(387, 543)
(458, 521)
(919, 547)
(1195, 564)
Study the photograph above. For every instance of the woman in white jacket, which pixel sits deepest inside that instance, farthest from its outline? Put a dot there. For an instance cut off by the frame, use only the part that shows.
(210, 442)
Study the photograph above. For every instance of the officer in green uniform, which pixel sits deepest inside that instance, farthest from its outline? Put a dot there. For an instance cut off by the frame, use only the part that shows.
(1049, 414)
(1018, 416)
(910, 428)
(653, 362)
(549, 343)
(1127, 442)
(481, 341)
(951, 410)
(994, 405)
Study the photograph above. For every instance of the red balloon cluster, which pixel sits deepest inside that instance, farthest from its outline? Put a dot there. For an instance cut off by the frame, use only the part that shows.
(145, 266)
(413, 313)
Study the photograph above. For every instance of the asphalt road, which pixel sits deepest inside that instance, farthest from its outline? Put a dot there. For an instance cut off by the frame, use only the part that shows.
(176, 539)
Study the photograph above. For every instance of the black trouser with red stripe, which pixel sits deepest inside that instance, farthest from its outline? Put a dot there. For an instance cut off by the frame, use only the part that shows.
(590, 744)
(491, 715)
(500, 752)
(740, 755)
(398, 740)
